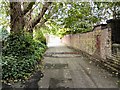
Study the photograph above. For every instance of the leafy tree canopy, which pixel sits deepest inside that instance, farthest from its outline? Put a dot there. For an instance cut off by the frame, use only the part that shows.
(77, 16)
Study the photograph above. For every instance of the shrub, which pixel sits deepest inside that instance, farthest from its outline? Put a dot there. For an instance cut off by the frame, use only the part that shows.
(40, 37)
(21, 56)
(15, 69)
(3, 33)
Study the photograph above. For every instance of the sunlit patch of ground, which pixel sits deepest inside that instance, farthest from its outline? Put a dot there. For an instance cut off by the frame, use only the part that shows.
(54, 41)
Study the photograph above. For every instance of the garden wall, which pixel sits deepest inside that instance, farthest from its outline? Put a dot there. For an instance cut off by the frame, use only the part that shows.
(97, 42)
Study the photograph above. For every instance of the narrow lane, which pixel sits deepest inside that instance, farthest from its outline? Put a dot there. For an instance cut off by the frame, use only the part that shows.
(65, 68)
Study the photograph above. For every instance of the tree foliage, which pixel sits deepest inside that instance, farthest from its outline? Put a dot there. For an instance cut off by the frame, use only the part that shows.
(79, 17)
(107, 10)
(75, 16)
(4, 14)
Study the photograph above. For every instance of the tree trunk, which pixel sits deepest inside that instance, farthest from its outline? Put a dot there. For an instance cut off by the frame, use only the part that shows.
(17, 18)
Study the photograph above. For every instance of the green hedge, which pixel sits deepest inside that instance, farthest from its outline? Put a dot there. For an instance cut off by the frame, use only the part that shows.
(38, 36)
(21, 56)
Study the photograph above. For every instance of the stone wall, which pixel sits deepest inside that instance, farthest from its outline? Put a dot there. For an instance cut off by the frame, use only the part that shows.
(96, 42)
(102, 45)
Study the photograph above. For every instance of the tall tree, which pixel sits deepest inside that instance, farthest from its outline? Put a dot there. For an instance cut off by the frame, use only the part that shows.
(18, 11)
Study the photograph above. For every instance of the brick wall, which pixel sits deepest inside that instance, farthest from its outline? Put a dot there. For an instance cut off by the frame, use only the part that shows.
(96, 42)
(103, 42)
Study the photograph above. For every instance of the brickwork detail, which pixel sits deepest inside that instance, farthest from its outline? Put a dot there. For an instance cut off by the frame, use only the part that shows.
(96, 42)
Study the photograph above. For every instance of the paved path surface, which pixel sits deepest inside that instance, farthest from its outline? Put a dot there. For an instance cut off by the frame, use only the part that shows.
(65, 68)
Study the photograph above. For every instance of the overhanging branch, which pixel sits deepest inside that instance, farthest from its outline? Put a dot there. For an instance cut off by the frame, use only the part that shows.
(29, 7)
(41, 23)
(40, 15)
